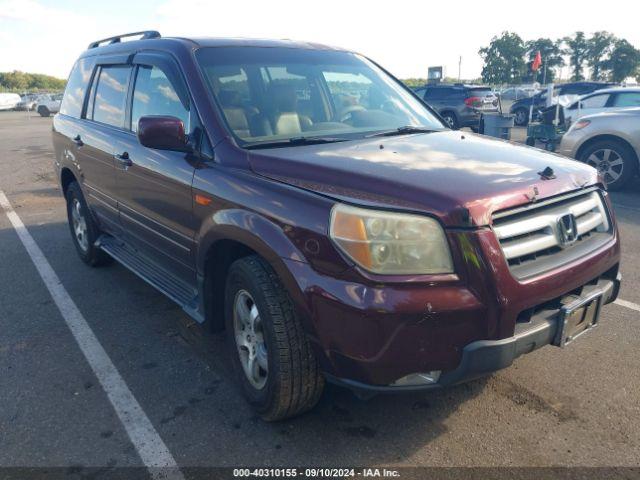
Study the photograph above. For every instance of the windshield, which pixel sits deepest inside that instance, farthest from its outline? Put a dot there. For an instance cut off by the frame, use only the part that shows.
(277, 94)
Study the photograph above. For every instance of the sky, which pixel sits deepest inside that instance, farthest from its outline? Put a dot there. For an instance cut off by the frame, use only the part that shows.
(46, 36)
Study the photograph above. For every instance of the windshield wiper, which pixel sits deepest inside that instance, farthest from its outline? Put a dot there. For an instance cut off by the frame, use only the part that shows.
(296, 141)
(403, 131)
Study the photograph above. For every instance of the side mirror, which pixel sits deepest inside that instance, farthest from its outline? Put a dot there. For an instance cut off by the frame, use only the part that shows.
(163, 133)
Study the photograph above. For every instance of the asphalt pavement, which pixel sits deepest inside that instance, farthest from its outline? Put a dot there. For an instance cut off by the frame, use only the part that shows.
(578, 406)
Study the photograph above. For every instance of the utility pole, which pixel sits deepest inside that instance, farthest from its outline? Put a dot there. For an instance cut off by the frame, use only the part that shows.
(544, 73)
(459, 67)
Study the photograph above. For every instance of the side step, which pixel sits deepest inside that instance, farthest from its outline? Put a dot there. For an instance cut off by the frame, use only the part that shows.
(174, 288)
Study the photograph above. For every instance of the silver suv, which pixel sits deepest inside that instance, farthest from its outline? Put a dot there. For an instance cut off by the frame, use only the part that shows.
(609, 142)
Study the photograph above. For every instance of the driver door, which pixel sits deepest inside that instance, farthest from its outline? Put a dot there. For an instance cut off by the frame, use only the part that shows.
(154, 186)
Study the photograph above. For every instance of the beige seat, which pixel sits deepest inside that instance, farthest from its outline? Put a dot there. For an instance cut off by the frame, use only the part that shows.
(234, 113)
(285, 118)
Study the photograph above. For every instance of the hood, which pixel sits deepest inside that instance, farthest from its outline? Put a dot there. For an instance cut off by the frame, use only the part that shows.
(461, 178)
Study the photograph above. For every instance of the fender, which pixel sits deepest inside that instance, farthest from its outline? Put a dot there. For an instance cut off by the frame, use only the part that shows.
(263, 236)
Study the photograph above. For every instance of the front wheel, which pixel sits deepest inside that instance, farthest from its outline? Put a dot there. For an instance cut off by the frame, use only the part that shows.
(43, 111)
(615, 161)
(272, 357)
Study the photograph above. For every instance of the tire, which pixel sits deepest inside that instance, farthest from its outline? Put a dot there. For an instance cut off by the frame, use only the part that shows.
(44, 111)
(521, 117)
(450, 119)
(84, 231)
(291, 383)
(615, 161)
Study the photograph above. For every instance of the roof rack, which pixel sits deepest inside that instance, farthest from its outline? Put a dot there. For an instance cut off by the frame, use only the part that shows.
(145, 34)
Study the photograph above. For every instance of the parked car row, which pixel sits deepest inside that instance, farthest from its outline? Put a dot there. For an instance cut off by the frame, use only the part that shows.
(564, 94)
(44, 103)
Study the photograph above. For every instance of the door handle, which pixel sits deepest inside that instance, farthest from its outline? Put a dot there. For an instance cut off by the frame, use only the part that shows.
(78, 140)
(123, 159)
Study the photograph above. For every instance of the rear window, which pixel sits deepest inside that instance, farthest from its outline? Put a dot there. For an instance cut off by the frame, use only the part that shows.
(111, 95)
(438, 92)
(479, 92)
(77, 87)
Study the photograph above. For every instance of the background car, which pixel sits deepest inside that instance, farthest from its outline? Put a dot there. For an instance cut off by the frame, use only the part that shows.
(28, 102)
(520, 108)
(602, 101)
(8, 101)
(607, 141)
(459, 105)
(48, 104)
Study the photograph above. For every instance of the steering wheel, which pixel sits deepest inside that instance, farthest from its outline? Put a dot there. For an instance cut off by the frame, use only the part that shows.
(346, 112)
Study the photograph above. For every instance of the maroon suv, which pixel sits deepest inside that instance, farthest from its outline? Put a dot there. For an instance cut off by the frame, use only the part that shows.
(305, 201)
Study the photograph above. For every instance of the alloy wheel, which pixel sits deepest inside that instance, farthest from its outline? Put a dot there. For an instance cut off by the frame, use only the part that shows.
(79, 225)
(250, 341)
(608, 162)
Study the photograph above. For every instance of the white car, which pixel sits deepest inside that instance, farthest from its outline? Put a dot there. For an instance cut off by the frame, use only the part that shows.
(9, 101)
(602, 101)
(48, 104)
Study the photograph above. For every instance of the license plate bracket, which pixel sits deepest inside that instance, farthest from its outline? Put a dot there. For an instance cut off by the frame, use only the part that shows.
(577, 317)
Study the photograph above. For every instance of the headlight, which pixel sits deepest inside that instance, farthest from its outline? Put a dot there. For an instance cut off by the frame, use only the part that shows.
(580, 124)
(391, 243)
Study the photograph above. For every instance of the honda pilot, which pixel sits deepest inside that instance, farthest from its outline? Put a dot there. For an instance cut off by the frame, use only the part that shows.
(302, 200)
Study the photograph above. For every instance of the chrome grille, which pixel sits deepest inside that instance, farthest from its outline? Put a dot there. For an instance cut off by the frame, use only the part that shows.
(530, 236)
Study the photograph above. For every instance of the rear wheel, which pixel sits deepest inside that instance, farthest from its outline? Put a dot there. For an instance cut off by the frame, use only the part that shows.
(84, 230)
(450, 119)
(43, 111)
(521, 117)
(272, 357)
(615, 161)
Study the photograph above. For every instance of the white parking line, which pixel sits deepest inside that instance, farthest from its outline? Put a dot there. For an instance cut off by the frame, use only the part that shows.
(154, 453)
(631, 305)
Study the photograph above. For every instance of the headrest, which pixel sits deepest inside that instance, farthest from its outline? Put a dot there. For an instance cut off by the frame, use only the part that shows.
(284, 97)
(229, 98)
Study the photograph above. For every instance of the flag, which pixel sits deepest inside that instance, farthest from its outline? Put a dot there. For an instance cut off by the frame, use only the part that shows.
(535, 65)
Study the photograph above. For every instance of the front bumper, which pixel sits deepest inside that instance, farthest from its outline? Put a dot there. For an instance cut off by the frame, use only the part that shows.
(482, 357)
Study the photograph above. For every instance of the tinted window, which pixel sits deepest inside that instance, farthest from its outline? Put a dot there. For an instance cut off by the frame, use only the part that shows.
(111, 95)
(435, 93)
(76, 87)
(629, 99)
(155, 95)
(597, 101)
(480, 92)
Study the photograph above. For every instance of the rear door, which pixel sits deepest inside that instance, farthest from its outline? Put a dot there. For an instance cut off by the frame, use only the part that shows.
(438, 98)
(103, 129)
(154, 186)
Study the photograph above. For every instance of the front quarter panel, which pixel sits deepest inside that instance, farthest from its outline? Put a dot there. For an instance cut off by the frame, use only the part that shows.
(275, 220)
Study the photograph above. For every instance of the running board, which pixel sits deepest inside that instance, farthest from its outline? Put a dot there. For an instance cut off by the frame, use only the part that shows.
(175, 289)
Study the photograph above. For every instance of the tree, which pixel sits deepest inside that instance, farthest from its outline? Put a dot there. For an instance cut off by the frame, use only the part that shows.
(20, 81)
(624, 61)
(577, 49)
(551, 53)
(504, 59)
(15, 80)
(599, 47)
